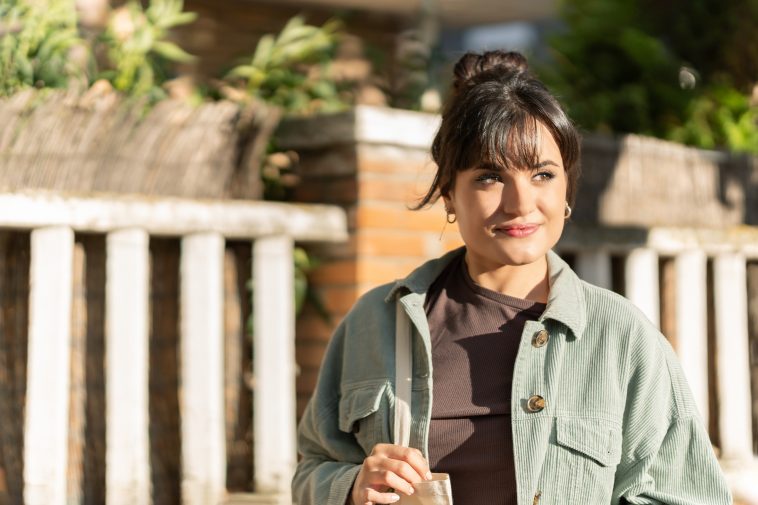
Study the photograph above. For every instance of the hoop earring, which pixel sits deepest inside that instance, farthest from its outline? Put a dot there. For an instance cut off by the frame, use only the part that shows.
(567, 213)
(447, 216)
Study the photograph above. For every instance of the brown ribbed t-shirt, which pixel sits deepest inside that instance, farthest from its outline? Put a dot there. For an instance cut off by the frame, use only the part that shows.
(475, 337)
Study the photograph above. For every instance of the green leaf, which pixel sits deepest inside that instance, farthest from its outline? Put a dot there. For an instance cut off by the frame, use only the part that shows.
(243, 71)
(184, 18)
(263, 51)
(172, 52)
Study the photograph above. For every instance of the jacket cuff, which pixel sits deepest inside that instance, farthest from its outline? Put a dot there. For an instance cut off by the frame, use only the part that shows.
(342, 485)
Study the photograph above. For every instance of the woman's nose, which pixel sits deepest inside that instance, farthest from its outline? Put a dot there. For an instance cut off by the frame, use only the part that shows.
(518, 197)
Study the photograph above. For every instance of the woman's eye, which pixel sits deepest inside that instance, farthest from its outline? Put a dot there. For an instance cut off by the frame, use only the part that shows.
(544, 176)
(488, 178)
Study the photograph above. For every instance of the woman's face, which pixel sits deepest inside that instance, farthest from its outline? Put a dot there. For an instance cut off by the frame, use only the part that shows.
(511, 217)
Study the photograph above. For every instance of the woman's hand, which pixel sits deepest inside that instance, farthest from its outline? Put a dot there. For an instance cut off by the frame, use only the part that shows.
(389, 466)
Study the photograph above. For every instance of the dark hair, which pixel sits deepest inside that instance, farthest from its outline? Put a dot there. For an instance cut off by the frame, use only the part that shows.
(492, 115)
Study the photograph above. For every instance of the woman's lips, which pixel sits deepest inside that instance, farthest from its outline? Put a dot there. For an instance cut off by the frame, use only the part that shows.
(519, 230)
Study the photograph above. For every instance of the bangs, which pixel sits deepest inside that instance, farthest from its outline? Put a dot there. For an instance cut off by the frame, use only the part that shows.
(513, 144)
(510, 142)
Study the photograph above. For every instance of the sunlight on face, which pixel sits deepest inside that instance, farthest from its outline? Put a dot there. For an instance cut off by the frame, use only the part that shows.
(511, 217)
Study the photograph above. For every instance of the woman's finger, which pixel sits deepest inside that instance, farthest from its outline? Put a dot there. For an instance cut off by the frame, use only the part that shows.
(389, 467)
(403, 470)
(383, 478)
(411, 456)
(373, 496)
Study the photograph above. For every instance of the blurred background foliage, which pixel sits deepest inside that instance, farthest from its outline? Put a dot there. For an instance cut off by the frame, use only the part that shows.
(681, 70)
(138, 50)
(42, 46)
(290, 70)
(36, 44)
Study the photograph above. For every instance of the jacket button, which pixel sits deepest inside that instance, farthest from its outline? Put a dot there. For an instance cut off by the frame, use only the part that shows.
(540, 338)
(535, 403)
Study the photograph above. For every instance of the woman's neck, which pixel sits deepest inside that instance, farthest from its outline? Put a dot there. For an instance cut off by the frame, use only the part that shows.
(528, 281)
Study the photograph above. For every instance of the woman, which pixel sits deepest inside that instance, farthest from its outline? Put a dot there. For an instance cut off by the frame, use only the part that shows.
(529, 385)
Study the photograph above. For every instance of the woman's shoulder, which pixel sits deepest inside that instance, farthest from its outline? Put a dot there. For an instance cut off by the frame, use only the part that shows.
(616, 321)
(375, 303)
(611, 309)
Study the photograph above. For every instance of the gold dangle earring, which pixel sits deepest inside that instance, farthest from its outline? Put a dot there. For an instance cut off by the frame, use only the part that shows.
(567, 212)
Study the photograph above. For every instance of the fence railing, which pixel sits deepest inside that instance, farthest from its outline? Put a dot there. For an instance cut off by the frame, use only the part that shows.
(700, 287)
(127, 225)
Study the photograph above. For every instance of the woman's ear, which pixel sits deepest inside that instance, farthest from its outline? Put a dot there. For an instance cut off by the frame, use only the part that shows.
(449, 208)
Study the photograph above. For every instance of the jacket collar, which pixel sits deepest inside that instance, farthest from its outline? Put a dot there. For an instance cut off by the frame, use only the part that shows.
(565, 303)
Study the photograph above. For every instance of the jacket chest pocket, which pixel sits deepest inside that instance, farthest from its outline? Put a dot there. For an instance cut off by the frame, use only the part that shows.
(364, 410)
(584, 457)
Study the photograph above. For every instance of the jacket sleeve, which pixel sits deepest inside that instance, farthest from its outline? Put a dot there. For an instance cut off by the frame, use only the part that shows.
(330, 459)
(668, 457)
(682, 471)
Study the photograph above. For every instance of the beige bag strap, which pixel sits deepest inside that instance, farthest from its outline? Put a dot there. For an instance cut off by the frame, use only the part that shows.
(432, 492)
(403, 376)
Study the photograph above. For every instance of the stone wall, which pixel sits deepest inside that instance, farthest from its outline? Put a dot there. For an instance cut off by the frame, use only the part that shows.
(643, 181)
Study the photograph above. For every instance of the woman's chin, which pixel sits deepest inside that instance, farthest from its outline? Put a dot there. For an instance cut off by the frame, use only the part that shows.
(509, 257)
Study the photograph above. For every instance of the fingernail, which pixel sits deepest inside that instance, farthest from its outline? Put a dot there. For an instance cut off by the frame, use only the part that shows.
(428, 475)
(410, 490)
(394, 497)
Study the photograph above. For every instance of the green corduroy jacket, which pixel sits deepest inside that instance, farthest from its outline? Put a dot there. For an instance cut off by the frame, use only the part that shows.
(619, 423)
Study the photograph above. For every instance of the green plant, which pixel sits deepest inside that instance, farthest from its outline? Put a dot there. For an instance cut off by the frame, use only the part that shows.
(138, 47)
(720, 116)
(289, 70)
(629, 66)
(612, 74)
(36, 43)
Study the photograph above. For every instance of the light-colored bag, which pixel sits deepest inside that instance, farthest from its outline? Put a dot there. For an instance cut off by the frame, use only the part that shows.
(432, 492)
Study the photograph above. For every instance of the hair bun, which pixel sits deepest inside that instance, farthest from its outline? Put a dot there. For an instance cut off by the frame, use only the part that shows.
(471, 65)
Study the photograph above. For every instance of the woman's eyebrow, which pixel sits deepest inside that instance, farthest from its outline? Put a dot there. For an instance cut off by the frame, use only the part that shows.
(545, 163)
(497, 168)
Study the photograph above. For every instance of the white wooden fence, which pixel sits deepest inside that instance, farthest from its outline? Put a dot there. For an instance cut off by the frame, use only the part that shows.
(728, 252)
(203, 227)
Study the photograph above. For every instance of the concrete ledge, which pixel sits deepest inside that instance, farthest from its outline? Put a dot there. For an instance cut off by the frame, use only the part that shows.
(664, 240)
(362, 124)
(236, 219)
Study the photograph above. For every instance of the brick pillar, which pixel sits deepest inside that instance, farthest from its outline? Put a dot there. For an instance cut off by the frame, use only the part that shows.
(375, 163)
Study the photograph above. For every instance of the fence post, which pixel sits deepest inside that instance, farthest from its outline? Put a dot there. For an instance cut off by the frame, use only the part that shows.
(642, 284)
(692, 324)
(127, 424)
(594, 267)
(48, 368)
(735, 405)
(202, 369)
(274, 365)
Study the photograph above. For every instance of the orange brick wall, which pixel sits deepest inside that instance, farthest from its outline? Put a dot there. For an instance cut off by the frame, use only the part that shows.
(376, 184)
